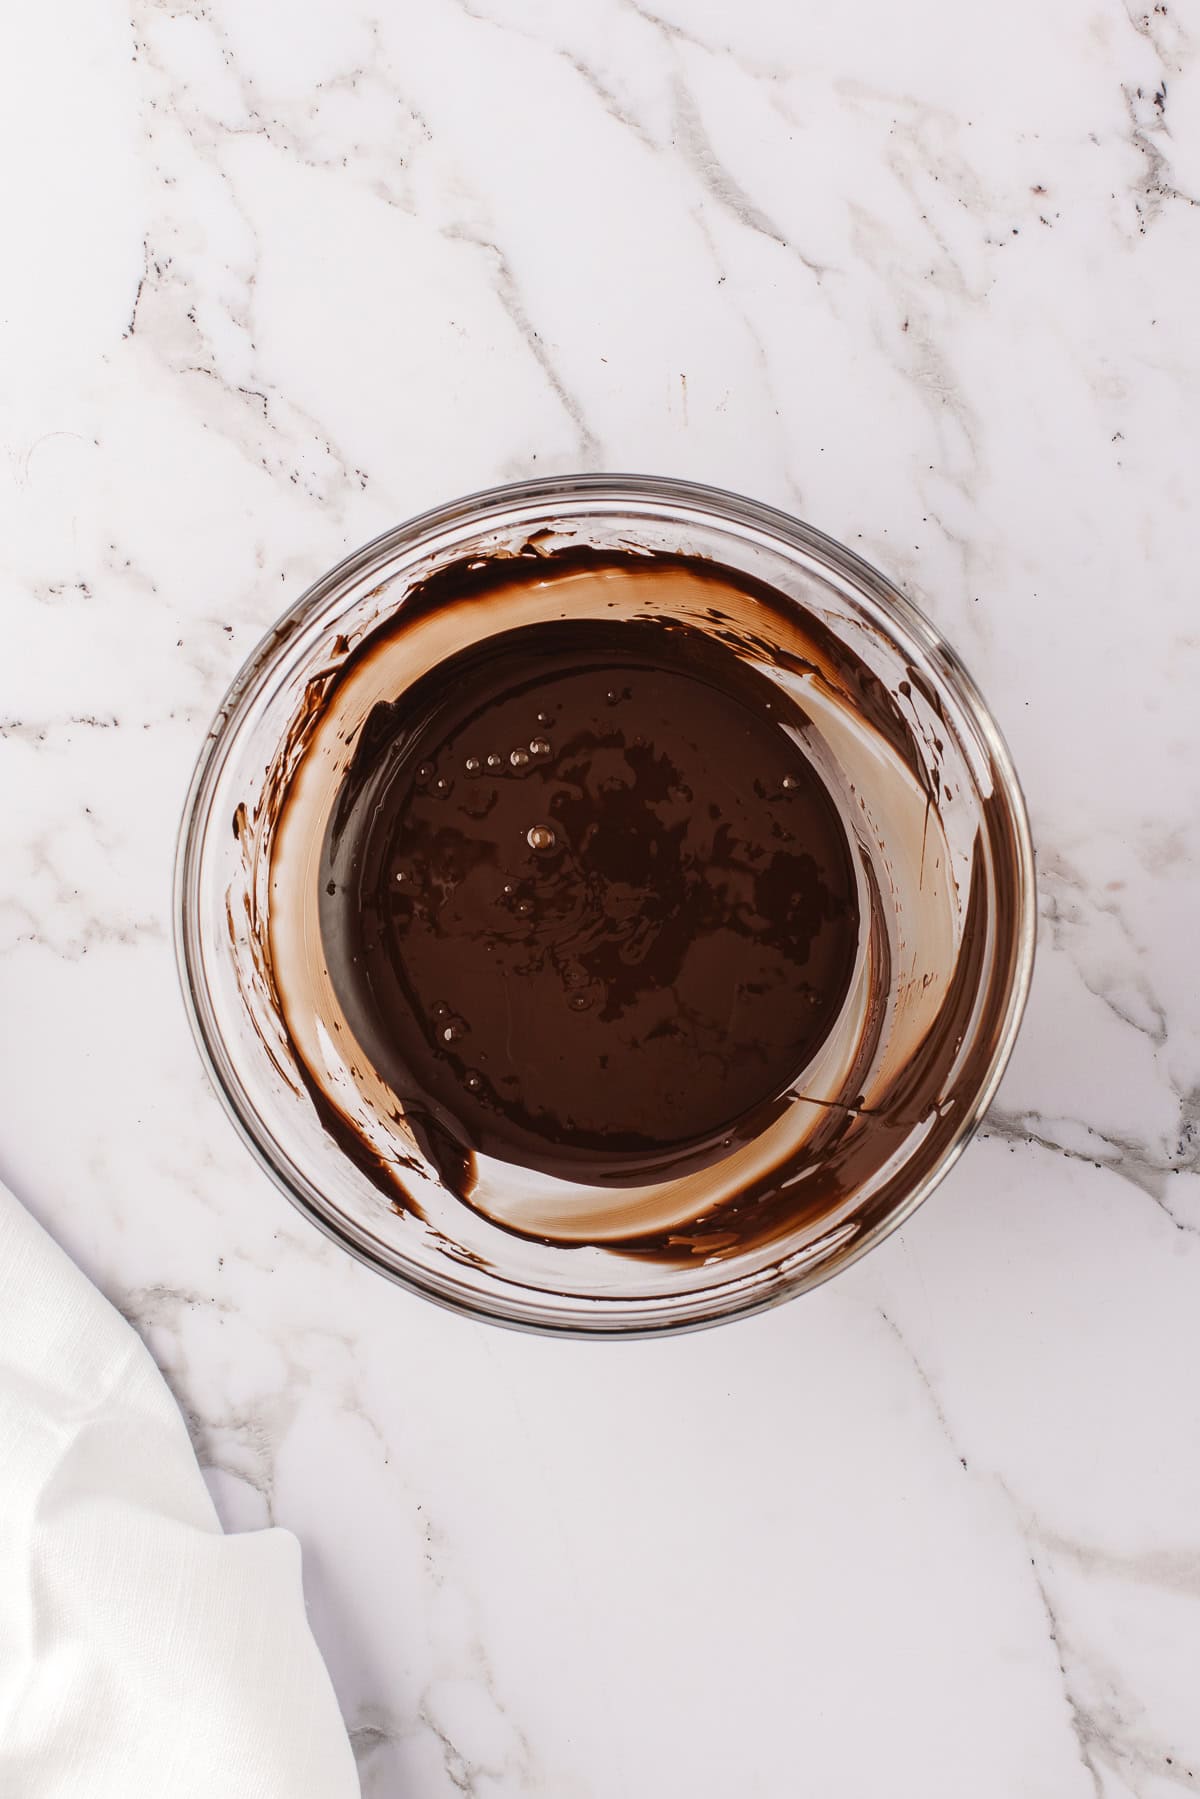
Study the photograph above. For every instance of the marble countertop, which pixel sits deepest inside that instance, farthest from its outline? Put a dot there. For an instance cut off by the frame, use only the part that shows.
(280, 276)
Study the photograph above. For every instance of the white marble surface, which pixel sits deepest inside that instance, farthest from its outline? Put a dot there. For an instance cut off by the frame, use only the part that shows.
(279, 275)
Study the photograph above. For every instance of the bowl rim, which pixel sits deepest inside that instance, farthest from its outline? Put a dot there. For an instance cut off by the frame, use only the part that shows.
(628, 1318)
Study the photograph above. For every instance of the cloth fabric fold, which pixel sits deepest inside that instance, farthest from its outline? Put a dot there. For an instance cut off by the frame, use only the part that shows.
(141, 1650)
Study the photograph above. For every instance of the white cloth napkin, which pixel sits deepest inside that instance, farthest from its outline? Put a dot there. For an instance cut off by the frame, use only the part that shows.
(141, 1651)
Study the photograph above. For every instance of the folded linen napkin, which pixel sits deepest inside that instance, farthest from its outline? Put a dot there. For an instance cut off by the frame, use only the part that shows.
(141, 1650)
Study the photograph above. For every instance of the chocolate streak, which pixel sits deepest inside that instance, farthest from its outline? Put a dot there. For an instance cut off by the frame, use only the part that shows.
(654, 950)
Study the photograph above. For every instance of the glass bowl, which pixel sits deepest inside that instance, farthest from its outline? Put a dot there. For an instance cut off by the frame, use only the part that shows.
(948, 900)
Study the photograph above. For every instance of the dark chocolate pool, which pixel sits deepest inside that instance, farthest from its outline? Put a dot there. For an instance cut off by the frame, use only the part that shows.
(585, 901)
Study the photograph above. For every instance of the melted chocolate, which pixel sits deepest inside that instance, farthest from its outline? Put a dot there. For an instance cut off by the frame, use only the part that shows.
(585, 903)
(718, 1029)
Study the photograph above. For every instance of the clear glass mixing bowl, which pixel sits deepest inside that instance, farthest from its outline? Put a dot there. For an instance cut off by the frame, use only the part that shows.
(950, 1067)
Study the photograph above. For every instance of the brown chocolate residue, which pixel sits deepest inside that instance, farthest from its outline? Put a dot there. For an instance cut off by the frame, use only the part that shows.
(871, 963)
